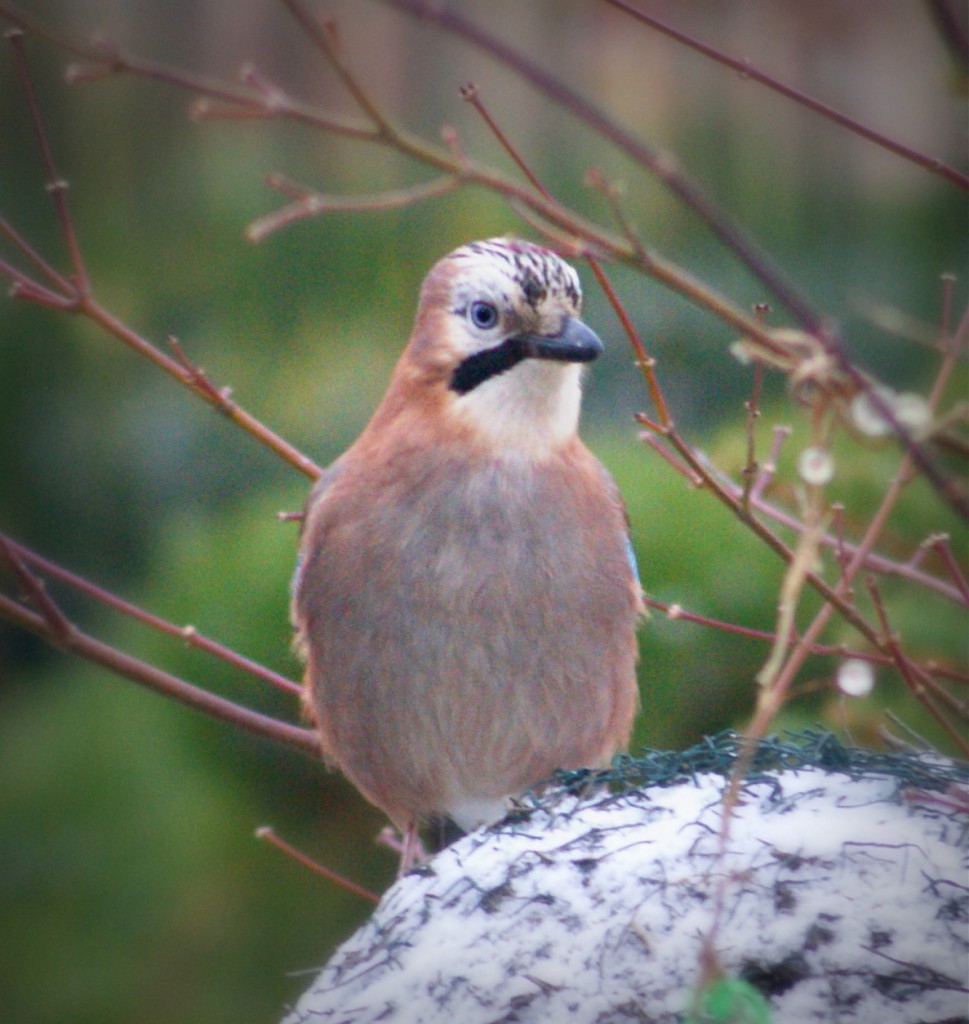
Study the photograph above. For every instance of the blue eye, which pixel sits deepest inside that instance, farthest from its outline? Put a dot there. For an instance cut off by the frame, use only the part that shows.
(483, 315)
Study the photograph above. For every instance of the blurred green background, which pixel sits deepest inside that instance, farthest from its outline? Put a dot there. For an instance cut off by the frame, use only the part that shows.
(131, 886)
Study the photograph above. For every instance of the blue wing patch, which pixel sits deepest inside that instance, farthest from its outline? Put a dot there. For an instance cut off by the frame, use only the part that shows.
(631, 556)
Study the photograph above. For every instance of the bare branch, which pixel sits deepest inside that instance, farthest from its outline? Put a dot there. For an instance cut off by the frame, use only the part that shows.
(189, 634)
(940, 544)
(107, 59)
(663, 165)
(749, 72)
(269, 835)
(645, 363)
(56, 279)
(310, 204)
(922, 686)
(140, 672)
(56, 185)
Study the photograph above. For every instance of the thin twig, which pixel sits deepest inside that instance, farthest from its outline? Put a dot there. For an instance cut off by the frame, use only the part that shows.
(677, 613)
(140, 672)
(922, 686)
(310, 204)
(644, 361)
(840, 547)
(940, 544)
(77, 297)
(750, 73)
(191, 377)
(56, 279)
(444, 160)
(834, 598)
(650, 438)
(612, 193)
(469, 93)
(664, 271)
(750, 472)
(769, 466)
(56, 185)
(189, 634)
(324, 36)
(28, 290)
(270, 836)
(873, 560)
(881, 641)
(663, 165)
(109, 59)
(775, 677)
(60, 628)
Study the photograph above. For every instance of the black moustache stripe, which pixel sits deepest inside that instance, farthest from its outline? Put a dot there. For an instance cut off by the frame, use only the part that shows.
(488, 363)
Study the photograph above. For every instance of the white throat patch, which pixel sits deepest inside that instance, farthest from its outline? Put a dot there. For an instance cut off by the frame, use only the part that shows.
(531, 409)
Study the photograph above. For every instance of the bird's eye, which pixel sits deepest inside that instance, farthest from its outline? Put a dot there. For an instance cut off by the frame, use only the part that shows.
(483, 315)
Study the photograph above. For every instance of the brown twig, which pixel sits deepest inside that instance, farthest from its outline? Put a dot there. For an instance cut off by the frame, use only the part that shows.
(30, 291)
(76, 294)
(267, 98)
(107, 60)
(56, 279)
(835, 599)
(310, 204)
(612, 193)
(781, 675)
(689, 193)
(189, 634)
(840, 546)
(90, 649)
(190, 376)
(326, 39)
(940, 544)
(751, 470)
(925, 690)
(177, 367)
(61, 630)
(56, 185)
(651, 438)
(750, 73)
(666, 272)
(557, 216)
(769, 466)
(775, 680)
(873, 559)
(663, 165)
(677, 613)
(644, 361)
(269, 835)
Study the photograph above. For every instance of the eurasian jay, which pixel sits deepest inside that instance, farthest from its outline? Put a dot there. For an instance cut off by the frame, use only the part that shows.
(466, 599)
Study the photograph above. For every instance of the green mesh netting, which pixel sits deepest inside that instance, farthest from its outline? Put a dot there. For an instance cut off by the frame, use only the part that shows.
(809, 748)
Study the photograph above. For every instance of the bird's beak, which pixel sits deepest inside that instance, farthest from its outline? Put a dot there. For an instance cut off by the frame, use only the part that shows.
(574, 343)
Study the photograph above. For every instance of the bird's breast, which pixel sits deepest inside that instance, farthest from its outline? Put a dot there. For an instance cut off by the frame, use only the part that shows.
(437, 552)
(468, 622)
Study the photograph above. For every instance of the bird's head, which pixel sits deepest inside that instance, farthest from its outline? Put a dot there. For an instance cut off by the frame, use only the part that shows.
(499, 345)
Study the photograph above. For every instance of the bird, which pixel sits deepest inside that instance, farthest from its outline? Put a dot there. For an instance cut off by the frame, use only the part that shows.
(466, 599)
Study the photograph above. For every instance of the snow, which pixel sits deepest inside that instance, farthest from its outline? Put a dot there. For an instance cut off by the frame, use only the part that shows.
(842, 904)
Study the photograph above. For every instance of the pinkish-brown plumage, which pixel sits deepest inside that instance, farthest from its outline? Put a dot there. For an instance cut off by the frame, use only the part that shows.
(465, 598)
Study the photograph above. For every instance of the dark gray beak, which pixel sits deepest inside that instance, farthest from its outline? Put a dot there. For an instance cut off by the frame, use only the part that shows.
(574, 343)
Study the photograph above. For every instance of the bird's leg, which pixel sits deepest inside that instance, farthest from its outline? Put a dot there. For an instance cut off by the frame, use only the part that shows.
(413, 849)
(408, 845)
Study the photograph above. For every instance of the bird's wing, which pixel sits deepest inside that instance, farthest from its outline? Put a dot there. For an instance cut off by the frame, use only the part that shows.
(323, 483)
